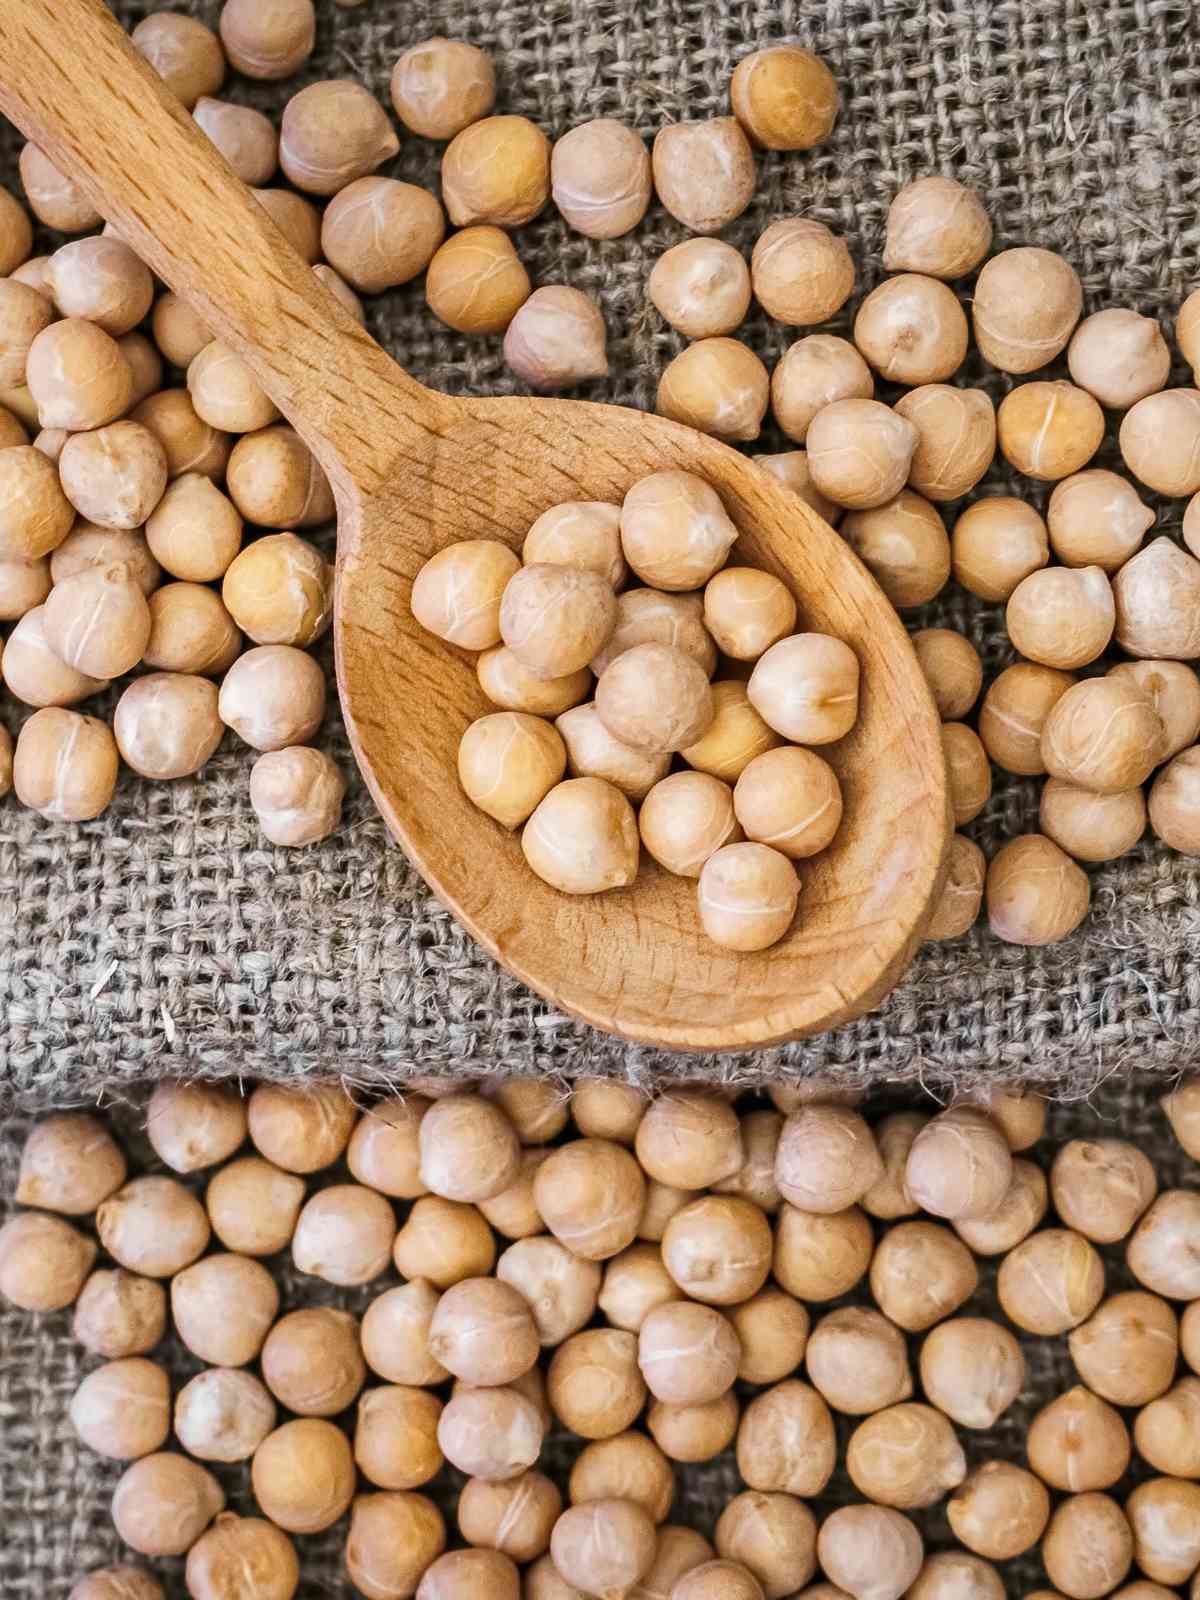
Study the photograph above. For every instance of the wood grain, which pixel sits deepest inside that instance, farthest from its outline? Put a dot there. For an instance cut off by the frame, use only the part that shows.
(413, 471)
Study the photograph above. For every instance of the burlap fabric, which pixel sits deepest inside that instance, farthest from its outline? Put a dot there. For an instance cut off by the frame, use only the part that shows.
(54, 1494)
(168, 934)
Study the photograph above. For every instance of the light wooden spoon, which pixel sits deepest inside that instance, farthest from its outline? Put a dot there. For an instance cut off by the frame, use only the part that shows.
(413, 470)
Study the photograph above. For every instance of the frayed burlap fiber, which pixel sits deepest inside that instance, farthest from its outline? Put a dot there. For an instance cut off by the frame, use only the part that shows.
(168, 934)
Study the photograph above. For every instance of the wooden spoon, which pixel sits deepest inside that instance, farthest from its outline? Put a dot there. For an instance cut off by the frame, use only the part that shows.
(412, 471)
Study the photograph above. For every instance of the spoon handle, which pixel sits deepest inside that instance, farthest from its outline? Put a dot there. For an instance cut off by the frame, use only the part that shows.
(74, 84)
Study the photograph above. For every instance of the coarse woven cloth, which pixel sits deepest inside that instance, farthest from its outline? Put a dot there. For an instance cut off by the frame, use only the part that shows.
(168, 934)
(55, 1494)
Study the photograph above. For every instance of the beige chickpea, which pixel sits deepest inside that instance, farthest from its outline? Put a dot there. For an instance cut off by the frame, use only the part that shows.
(195, 1125)
(583, 838)
(191, 631)
(593, 752)
(557, 339)
(44, 1261)
(789, 799)
(584, 534)
(1165, 1431)
(90, 545)
(747, 896)
(957, 1573)
(303, 1477)
(907, 1456)
(344, 1235)
(35, 514)
(904, 545)
(515, 1518)
(1186, 326)
(1078, 1443)
(1181, 1108)
(1096, 519)
(69, 1163)
(685, 819)
(1174, 691)
(275, 481)
(469, 1149)
(1158, 1252)
(1103, 735)
(653, 697)
(860, 452)
(820, 1255)
(972, 1369)
(253, 1206)
(1062, 617)
(704, 172)
(225, 392)
(952, 669)
(718, 1250)
(694, 1433)
(606, 1108)
(1090, 826)
(594, 1384)
(827, 1158)
(701, 287)
(773, 1329)
(1100, 1187)
(64, 765)
(920, 1274)
(555, 619)
(331, 133)
(191, 445)
(1174, 805)
(378, 233)
(301, 1130)
(959, 1166)
(273, 696)
(1027, 302)
(1049, 430)
(1014, 713)
(395, 1335)
(101, 280)
(496, 170)
(24, 312)
(912, 330)
(747, 611)
(35, 674)
(1158, 438)
(996, 543)
(1019, 1112)
(629, 1466)
(802, 272)
(440, 86)
(889, 1198)
(806, 688)
(16, 236)
(248, 141)
(54, 200)
(186, 55)
(591, 1193)
(785, 1442)
(956, 438)
(512, 687)
(561, 1288)
(1127, 1351)
(689, 1140)
(166, 724)
(312, 1361)
(999, 1511)
(812, 374)
(536, 1107)
(603, 1547)
(24, 585)
(163, 1503)
(123, 1409)
(869, 1553)
(719, 1580)
(508, 762)
(785, 97)
(1119, 357)
(297, 219)
(223, 1307)
(675, 532)
(268, 40)
(1035, 893)
(1088, 1546)
(98, 621)
(457, 593)
(755, 1181)
(600, 178)
(718, 386)
(115, 476)
(650, 616)
(1155, 593)
(483, 1332)
(117, 1583)
(858, 1361)
(1162, 1516)
(688, 1354)
(444, 1241)
(145, 363)
(936, 226)
(475, 281)
(1051, 1282)
(395, 1437)
(236, 1545)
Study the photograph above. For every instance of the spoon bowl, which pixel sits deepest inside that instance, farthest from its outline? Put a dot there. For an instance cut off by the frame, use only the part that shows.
(413, 471)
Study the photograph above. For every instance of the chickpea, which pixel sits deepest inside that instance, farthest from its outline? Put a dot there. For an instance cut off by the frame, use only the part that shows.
(1014, 714)
(101, 280)
(119, 1314)
(747, 611)
(1097, 519)
(225, 392)
(236, 1545)
(1119, 357)
(275, 481)
(555, 619)
(999, 1511)
(685, 819)
(53, 198)
(936, 226)
(869, 1552)
(191, 631)
(701, 287)
(444, 1241)
(1154, 593)
(820, 1255)
(920, 1274)
(688, 1354)
(268, 39)
(1165, 1431)
(344, 1235)
(312, 1361)
(786, 1441)
(1101, 1187)
(905, 546)
(1174, 691)
(591, 1194)
(955, 1572)
(457, 593)
(1174, 802)
(593, 752)
(44, 1262)
(395, 1335)
(583, 838)
(35, 514)
(912, 330)
(191, 445)
(802, 272)
(248, 141)
(166, 725)
(508, 763)
(69, 1163)
(1051, 1282)
(298, 219)
(16, 236)
(603, 1547)
(718, 386)
(959, 1166)
(1089, 826)
(747, 896)
(694, 1433)
(1181, 1107)
(1015, 1218)
(496, 170)
(1078, 1443)
(223, 1307)
(956, 438)
(333, 132)
(785, 97)
(273, 696)
(600, 178)
(675, 532)
(475, 282)
(1158, 1253)
(393, 1541)
(24, 586)
(24, 312)
(689, 1140)
(827, 1159)
(163, 1503)
(117, 1583)
(35, 674)
(582, 534)
(653, 697)
(253, 1206)
(483, 1332)
(441, 86)
(806, 688)
(1063, 617)
(627, 1465)
(1158, 439)
(223, 1414)
(889, 1197)
(395, 1437)
(756, 1180)
(997, 543)
(704, 172)
(792, 470)
(605, 1108)
(1088, 1547)
(186, 55)
(1162, 1517)
(906, 1456)
(1049, 430)
(1027, 303)
(718, 1250)
(64, 765)
(378, 233)
(1103, 735)
(1126, 1352)
(860, 453)
(773, 1330)
(649, 616)
(561, 1288)
(513, 687)
(301, 1130)
(813, 373)
(493, 1433)
(515, 1518)
(972, 1369)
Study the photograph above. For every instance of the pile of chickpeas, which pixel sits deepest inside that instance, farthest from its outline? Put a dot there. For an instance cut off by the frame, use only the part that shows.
(747, 804)
(652, 1275)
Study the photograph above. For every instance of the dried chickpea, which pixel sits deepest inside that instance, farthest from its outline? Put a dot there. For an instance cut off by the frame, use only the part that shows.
(53, 198)
(24, 585)
(704, 172)
(101, 280)
(223, 1307)
(561, 1288)
(857, 1359)
(1174, 691)
(1174, 806)
(812, 374)
(972, 1369)
(694, 1433)
(1090, 826)
(907, 1456)
(920, 1274)
(378, 233)
(652, 698)
(593, 1382)
(395, 1437)
(904, 545)
(1103, 735)
(936, 226)
(1181, 1108)
(996, 543)
(802, 272)
(860, 453)
(496, 170)
(1100, 1187)
(297, 219)
(606, 1108)
(44, 1261)
(440, 86)
(1015, 1218)
(191, 631)
(584, 534)
(35, 514)
(1027, 302)
(303, 1476)
(912, 330)
(223, 1414)
(650, 616)
(1078, 1443)
(820, 1255)
(395, 1335)
(603, 1547)
(628, 1465)
(115, 476)
(952, 669)
(1159, 1253)
(999, 1511)
(718, 1249)
(718, 386)
(956, 438)
(344, 1235)
(1051, 1282)
(1088, 1546)
(69, 1163)
(806, 688)
(166, 724)
(869, 1553)
(475, 281)
(273, 696)
(469, 1149)
(583, 838)
(457, 593)
(1159, 437)
(98, 621)
(718, 1580)
(483, 1332)
(1049, 430)
(191, 445)
(773, 1330)
(508, 762)
(1096, 519)
(331, 133)
(64, 765)
(689, 1139)
(268, 38)
(786, 98)
(1155, 593)
(24, 312)
(513, 687)
(119, 1314)
(1162, 1516)
(393, 1541)
(1014, 714)
(34, 674)
(226, 394)
(786, 1442)
(827, 1159)
(593, 752)
(701, 287)
(688, 1354)
(756, 1180)
(145, 364)
(591, 1194)
(275, 481)
(600, 178)
(117, 1583)
(789, 799)
(1062, 617)
(791, 468)
(16, 236)
(889, 1197)
(960, 1166)
(300, 1130)
(1165, 1431)
(957, 1573)
(1119, 357)
(685, 819)
(163, 1503)
(515, 1518)
(186, 55)
(747, 896)
(235, 1546)
(555, 619)
(1126, 1352)
(312, 1361)
(253, 1206)
(747, 611)
(248, 141)
(675, 532)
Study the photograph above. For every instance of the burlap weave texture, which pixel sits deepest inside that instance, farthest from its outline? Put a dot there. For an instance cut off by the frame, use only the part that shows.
(168, 933)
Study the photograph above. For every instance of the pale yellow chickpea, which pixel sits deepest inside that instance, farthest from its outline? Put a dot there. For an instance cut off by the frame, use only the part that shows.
(868, 1552)
(583, 838)
(65, 765)
(936, 226)
(806, 688)
(747, 896)
(904, 545)
(998, 542)
(735, 737)
(195, 531)
(496, 170)
(191, 444)
(718, 386)
(114, 476)
(331, 133)
(801, 271)
(475, 282)
(1104, 735)
(275, 480)
(273, 696)
(1155, 595)
(1078, 1443)
(593, 752)
(600, 178)
(1014, 713)
(378, 233)
(555, 619)
(912, 330)
(1090, 826)
(1027, 302)
(1062, 617)
(704, 172)
(53, 198)
(920, 1274)
(1174, 691)
(101, 280)
(1097, 520)
(35, 674)
(1088, 1546)
(186, 55)
(24, 312)
(512, 687)
(1000, 1511)
(651, 616)
(441, 86)
(166, 724)
(785, 97)
(23, 585)
(98, 621)
(1159, 438)
(860, 453)
(791, 800)
(968, 773)
(457, 593)
(812, 374)
(268, 39)
(248, 141)
(747, 611)
(1119, 357)
(508, 762)
(701, 287)
(675, 532)
(585, 534)
(1174, 804)
(279, 590)
(654, 699)
(1035, 893)
(35, 514)
(225, 392)
(956, 441)
(907, 1456)
(952, 669)
(1049, 430)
